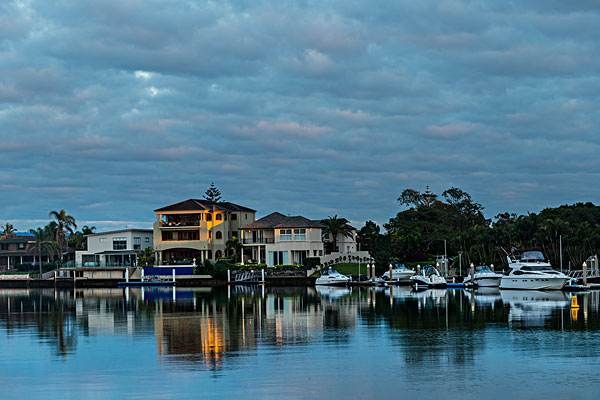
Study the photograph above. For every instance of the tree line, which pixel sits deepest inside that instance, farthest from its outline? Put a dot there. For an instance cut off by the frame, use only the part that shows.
(428, 222)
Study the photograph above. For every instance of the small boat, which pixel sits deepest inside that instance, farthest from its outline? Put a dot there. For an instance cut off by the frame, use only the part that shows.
(400, 274)
(331, 277)
(428, 277)
(531, 271)
(483, 277)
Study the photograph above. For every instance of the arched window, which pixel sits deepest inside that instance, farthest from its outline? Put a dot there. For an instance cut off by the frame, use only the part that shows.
(208, 217)
(219, 217)
(219, 235)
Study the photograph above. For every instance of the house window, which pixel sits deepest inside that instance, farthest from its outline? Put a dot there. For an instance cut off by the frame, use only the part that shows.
(219, 217)
(119, 243)
(21, 246)
(218, 254)
(210, 235)
(208, 217)
(137, 243)
(219, 235)
(234, 217)
(285, 234)
(4, 246)
(147, 239)
(315, 253)
(300, 234)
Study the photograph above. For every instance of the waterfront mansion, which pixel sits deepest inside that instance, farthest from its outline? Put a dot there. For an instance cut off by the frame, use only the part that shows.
(198, 230)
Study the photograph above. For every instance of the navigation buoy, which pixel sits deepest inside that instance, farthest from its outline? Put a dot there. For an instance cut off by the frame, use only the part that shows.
(574, 304)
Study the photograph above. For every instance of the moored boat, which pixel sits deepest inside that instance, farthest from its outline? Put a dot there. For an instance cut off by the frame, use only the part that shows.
(428, 277)
(400, 274)
(483, 276)
(331, 277)
(531, 271)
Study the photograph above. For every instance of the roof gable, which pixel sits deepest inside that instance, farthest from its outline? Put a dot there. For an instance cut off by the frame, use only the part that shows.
(204, 205)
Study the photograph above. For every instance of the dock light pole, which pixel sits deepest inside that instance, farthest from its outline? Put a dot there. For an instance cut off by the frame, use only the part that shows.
(584, 273)
(560, 247)
(460, 263)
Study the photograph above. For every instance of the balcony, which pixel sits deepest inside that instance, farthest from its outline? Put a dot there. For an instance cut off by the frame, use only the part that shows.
(258, 241)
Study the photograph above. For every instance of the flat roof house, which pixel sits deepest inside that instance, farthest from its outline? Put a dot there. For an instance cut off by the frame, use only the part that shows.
(277, 239)
(114, 248)
(197, 229)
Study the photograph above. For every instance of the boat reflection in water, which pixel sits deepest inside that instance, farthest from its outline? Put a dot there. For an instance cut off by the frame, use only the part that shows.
(533, 308)
(485, 297)
(332, 293)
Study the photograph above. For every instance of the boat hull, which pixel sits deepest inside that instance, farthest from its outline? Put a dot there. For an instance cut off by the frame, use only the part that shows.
(533, 283)
(488, 282)
(331, 282)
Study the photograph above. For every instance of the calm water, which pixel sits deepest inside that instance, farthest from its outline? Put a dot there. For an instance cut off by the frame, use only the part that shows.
(280, 343)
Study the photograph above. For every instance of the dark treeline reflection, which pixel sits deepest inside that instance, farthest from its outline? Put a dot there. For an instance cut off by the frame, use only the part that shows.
(205, 326)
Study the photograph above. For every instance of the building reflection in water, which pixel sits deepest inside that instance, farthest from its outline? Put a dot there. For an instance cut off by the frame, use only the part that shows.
(204, 326)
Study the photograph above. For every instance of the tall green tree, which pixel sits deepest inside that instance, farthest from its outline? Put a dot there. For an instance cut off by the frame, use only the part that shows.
(334, 226)
(65, 225)
(212, 194)
(43, 242)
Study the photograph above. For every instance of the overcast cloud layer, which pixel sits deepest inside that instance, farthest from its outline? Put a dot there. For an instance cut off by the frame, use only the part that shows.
(112, 108)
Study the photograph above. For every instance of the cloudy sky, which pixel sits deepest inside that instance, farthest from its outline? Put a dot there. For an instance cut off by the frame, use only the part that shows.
(112, 108)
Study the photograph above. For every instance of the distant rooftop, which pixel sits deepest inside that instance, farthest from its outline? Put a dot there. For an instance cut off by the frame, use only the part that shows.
(278, 220)
(203, 205)
(121, 231)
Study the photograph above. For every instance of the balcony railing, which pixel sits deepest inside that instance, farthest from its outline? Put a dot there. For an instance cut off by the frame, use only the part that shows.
(259, 241)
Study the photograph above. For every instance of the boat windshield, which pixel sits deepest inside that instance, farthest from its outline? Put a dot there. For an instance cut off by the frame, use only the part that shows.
(532, 256)
(429, 269)
(482, 268)
(536, 268)
(400, 266)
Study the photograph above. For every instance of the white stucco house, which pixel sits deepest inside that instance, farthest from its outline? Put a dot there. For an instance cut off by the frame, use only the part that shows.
(114, 248)
(277, 239)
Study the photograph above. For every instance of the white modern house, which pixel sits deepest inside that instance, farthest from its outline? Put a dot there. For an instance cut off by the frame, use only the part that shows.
(277, 239)
(114, 248)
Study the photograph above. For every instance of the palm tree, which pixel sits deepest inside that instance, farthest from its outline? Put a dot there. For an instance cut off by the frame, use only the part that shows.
(335, 226)
(65, 223)
(8, 230)
(233, 246)
(43, 242)
(145, 257)
(88, 230)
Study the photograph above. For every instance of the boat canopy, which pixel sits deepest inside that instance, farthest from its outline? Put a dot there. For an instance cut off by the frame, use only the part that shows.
(532, 256)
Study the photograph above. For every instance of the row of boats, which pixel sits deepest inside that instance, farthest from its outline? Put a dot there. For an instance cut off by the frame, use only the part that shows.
(527, 271)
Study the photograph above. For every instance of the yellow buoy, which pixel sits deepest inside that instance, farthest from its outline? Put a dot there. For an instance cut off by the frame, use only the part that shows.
(574, 303)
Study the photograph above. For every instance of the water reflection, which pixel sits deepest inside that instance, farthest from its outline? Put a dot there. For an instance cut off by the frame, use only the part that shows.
(204, 326)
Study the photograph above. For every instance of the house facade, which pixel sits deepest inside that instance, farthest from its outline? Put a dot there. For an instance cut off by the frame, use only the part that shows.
(277, 239)
(114, 248)
(17, 249)
(197, 229)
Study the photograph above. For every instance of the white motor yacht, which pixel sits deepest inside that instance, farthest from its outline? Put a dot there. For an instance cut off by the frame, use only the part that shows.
(483, 276)
(331, 277)
(531, 271)
(400, 274)
(428, 277)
